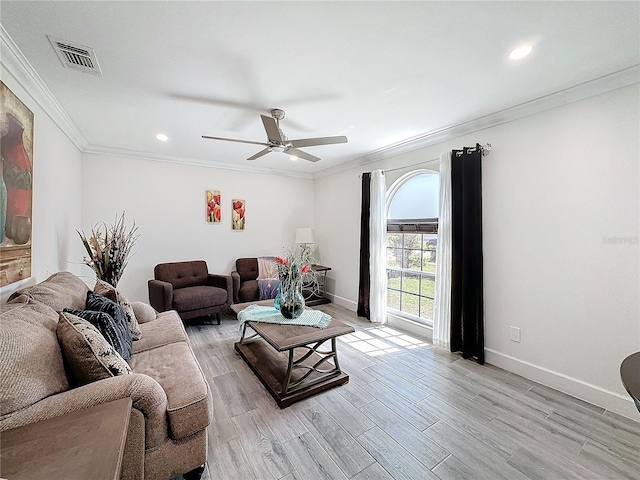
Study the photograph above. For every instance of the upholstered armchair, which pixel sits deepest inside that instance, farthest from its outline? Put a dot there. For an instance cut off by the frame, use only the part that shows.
(190, 289)
(245, 280)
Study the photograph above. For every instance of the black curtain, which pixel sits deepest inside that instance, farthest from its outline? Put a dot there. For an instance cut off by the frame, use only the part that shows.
(467, 306)
(363, 288)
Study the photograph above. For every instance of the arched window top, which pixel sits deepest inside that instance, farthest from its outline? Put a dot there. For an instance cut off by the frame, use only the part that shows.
(415, 196)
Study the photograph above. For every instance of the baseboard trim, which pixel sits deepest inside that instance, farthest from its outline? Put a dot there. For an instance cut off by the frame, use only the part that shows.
(343, 302)
(613, 401)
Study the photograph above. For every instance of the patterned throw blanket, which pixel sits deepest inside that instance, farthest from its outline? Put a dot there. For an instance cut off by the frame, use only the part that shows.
(258, 313)
(267, 277)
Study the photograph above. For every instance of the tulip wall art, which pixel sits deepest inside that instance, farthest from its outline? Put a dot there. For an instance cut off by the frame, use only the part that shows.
(214, 210)
(16, 180)
(238, 213)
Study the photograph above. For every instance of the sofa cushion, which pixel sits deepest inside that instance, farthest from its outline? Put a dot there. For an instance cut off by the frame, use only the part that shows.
(247, 268)
(249, 291)
(31, 364)
(166, 328)
(182, 274)
(61, 290)
(112, 293)
(116, 333)
(144, 312)
(195, 298)
(89, 355)
(188, 402)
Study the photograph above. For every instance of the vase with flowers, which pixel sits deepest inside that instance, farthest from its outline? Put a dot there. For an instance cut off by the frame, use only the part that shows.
(291, 270)
(109, 248)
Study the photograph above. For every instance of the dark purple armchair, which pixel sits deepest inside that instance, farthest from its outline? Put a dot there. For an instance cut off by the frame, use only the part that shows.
(190, 289)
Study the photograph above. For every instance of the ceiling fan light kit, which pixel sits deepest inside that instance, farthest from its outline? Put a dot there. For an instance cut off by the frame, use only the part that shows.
(278, 142)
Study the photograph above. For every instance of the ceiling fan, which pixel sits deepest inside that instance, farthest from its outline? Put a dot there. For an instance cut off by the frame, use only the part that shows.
(278, 142)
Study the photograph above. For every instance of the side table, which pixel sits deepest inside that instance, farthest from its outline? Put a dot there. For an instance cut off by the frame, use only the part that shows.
(317, 296)
(84, 444)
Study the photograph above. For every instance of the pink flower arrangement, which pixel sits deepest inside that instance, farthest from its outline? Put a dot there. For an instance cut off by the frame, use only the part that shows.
(291, 269)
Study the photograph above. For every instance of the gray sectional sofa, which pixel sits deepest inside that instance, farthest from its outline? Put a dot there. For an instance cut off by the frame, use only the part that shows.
(171, 400)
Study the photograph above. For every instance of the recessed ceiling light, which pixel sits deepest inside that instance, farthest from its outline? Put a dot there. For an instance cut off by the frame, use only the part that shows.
(162, 137)
(293, 157)
(521, 52)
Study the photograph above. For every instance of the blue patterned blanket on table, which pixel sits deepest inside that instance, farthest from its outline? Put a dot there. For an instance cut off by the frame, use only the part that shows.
(259, 313)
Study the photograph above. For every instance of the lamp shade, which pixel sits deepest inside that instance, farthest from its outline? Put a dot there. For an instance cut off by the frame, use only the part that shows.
(305, 235)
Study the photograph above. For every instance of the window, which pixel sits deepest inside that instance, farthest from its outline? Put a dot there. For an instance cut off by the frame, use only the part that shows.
(412, 236)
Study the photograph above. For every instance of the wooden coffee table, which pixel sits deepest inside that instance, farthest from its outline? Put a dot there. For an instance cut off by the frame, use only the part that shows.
(290, 360)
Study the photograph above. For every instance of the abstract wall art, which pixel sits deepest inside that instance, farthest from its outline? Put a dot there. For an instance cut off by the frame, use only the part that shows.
(16, 182)
(214, 211)
(238, 214)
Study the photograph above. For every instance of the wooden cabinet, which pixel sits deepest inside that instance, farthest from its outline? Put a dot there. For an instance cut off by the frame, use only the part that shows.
(80, 445)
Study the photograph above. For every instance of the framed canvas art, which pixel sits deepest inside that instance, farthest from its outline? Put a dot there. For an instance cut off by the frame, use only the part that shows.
(238, 214)
(16, 182)
(214, 212)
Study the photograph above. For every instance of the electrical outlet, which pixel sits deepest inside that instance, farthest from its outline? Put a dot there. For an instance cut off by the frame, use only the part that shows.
(514, 334)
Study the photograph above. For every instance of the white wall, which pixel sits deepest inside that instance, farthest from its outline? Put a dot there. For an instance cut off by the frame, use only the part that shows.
(167, 201)
(56, 195)
(550, 214)
(559, 188)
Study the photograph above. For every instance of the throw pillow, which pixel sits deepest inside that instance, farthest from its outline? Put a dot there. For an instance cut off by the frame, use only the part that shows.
(100, 303)
(112, 293)
(88, 354)
(144, 312)
(116, 333)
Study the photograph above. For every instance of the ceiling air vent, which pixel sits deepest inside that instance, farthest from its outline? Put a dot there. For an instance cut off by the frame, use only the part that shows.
(76, 56)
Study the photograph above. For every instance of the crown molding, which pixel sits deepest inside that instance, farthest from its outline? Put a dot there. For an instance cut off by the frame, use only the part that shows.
(19, 67)
(194, 162)
(604, 84)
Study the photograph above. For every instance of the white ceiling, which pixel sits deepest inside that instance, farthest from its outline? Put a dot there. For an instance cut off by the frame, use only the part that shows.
(378, 72)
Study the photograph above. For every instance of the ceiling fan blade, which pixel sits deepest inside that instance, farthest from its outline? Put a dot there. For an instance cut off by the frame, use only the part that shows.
(310, 142)
(273, 132)
(301, 154)
(259, 154)
(235, 140)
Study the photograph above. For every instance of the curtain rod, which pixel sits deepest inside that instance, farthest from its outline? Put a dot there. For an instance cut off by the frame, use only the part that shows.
(406, 166)
(485, 149)
(409, 166)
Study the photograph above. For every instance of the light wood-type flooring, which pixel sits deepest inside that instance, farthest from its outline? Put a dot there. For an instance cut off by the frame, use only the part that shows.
(410, 411)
